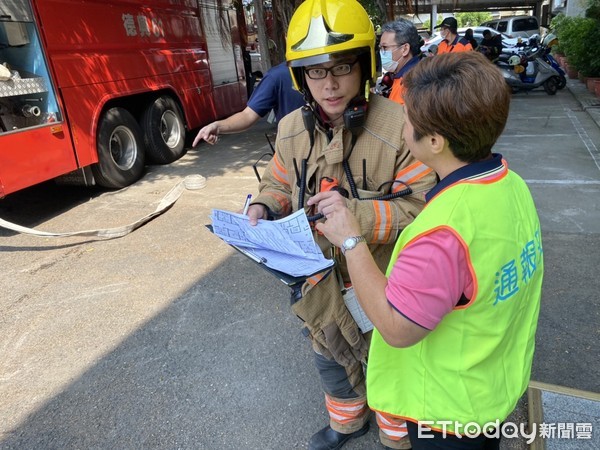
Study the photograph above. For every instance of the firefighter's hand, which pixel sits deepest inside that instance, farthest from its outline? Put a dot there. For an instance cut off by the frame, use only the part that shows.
(255, 212)
(340, 224)
(210, 133)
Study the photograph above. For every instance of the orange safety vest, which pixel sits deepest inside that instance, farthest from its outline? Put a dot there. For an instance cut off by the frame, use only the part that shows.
(460, 44)
(398, 89)
(397, 93)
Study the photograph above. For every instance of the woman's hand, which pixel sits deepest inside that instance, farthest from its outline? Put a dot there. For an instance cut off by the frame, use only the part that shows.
(339, 223)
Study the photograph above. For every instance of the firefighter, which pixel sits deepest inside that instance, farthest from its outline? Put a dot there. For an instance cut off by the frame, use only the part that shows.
(350, 148)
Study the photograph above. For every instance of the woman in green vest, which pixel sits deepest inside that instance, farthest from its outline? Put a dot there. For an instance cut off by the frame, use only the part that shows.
(455, 314)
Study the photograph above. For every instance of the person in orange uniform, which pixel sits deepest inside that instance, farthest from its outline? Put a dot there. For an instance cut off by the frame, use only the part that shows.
(452, 42)
(400, 51)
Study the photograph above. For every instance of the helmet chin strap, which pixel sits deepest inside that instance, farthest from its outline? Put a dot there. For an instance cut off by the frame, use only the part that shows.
(355, 108)
(354, 114)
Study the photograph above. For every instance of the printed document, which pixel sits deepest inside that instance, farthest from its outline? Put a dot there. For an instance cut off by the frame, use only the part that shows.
(286, 245)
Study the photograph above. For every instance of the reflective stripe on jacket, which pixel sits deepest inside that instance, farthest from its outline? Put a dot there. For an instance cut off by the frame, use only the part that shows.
(380, 145)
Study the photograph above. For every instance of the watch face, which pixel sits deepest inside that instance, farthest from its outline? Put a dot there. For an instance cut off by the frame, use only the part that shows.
(348, 242)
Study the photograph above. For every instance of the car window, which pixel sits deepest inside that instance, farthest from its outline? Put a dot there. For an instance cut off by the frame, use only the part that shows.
(502, 26)
(525, 24)
(519, 25)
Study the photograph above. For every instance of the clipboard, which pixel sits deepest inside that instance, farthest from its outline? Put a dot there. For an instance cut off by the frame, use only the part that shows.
(285, 278)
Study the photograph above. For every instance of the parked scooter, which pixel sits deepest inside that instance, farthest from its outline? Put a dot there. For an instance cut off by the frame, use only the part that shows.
(545, 45)
(527, 69)
(554, 64)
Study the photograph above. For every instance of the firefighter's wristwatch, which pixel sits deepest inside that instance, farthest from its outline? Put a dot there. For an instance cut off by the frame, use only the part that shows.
(351, 242)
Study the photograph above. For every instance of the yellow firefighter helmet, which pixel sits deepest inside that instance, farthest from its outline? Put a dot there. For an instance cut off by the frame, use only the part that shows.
(321, 29)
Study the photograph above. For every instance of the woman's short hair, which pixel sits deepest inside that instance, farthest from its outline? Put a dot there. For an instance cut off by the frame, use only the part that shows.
(461, 96)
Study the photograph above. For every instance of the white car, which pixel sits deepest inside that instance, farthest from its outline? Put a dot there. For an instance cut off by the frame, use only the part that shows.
(507, 41)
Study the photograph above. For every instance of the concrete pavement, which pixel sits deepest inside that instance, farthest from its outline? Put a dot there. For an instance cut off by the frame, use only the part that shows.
(589, 102)
(169, 339)
(568, 418)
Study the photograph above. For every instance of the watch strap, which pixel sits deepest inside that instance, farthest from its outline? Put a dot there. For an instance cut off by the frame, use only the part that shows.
(356, 240)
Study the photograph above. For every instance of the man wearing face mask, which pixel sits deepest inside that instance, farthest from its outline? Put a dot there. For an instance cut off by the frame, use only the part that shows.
(400, 51)
(452, 42)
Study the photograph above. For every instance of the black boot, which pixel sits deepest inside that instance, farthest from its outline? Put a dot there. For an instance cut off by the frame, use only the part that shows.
(328, 439)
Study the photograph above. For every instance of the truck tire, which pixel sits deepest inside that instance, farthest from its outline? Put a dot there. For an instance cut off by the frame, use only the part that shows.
(164, 131)
(120, 150)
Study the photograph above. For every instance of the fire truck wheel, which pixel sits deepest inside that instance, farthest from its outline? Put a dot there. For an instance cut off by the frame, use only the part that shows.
(164, 131)
(120, 150)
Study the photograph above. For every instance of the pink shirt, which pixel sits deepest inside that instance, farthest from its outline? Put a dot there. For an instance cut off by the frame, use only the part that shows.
(429, 278)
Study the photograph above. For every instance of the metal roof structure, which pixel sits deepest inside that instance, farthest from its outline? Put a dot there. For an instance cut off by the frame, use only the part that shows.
(450, 6)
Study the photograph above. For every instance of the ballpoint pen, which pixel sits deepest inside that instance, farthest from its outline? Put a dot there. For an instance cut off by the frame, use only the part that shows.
(247, 204)
(258, 259)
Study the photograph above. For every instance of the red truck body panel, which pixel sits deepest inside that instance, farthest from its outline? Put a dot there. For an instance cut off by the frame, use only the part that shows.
(113, 51)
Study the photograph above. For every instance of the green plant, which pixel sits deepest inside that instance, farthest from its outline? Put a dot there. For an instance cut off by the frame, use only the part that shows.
(593, 67)
(593, 13)
(593, 9)
(376, 15)
(472, 19)
(558, 25)
(427, 23)
(578, 38)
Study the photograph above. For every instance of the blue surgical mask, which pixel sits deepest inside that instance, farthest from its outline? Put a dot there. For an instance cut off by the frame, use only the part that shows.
(387, 63)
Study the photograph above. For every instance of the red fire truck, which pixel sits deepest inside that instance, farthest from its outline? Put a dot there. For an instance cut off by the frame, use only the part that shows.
(96, 89)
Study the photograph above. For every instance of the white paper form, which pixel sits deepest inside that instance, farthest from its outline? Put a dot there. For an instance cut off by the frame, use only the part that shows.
(286, 244)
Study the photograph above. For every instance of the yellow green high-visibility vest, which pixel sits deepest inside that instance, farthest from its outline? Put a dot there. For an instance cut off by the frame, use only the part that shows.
(476, 364)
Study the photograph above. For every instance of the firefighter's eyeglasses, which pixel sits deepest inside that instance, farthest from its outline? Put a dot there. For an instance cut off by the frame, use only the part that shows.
(318, 73)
